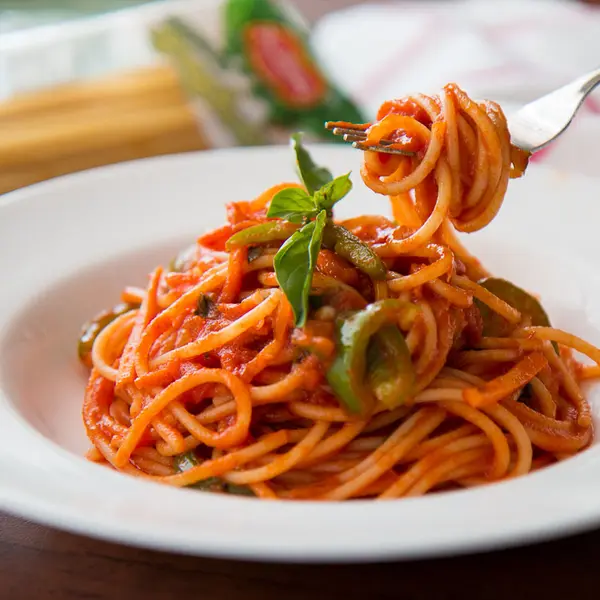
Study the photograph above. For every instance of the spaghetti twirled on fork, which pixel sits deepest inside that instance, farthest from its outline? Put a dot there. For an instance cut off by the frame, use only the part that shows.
(291, 356)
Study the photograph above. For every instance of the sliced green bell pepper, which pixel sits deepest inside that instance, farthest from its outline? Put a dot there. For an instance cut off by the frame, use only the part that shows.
(352, 374)
(188, 460)
(348, 246)
(91, 330)
(391, 375)
(271, 231)
(496, 326)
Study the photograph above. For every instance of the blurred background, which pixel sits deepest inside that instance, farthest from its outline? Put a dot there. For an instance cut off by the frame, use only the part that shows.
(85, 83)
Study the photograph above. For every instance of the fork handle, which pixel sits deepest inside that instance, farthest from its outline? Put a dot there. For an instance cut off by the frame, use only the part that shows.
(550, 115)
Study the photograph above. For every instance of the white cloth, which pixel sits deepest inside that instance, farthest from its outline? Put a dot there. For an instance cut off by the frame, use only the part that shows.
(510, 51)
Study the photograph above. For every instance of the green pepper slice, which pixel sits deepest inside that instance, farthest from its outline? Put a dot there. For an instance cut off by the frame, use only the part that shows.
(91, 330)
(238, 490)
(349, 375)
(271, 231)
(188, 460)
(348, 246)
(496, 326)
(391, 375)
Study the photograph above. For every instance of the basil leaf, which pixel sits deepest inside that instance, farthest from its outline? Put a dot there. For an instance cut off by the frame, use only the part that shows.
(312, 176)
(333, 192)
(292, 204)
(295, 263)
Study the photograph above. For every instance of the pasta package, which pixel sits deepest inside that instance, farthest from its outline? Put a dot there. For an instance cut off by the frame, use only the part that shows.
(99, 90)
(250, 73)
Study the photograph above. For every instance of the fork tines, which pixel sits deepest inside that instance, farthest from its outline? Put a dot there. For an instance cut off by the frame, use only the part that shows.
(357, 134)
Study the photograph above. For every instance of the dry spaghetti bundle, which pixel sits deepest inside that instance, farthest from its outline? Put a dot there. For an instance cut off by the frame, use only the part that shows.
(289, 355)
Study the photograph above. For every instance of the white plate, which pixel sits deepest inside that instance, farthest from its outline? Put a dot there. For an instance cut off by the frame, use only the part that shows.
(67, 247)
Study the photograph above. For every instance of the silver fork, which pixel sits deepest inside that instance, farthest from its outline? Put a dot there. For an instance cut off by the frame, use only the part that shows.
(531, 128)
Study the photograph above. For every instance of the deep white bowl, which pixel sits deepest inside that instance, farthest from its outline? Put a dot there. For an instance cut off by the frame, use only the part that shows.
(67, 247)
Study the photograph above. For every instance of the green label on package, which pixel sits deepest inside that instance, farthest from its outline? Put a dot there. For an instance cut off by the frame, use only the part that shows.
(251, 74)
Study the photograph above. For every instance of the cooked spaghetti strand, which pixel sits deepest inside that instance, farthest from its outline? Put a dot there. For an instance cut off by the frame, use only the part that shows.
(292, 356)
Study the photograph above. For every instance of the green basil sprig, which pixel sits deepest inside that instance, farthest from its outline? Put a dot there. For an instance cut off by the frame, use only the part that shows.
(296, 259)
(294, 205)
(295, 263)
(313, 177)
(311, 208)
(297, 206)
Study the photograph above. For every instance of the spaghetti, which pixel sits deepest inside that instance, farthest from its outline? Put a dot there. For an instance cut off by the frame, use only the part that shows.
(288, 356)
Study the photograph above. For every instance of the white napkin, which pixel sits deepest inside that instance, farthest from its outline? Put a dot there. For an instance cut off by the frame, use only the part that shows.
(511, 52)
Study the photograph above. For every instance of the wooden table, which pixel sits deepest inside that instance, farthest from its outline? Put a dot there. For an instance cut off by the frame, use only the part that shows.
(38, 562)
